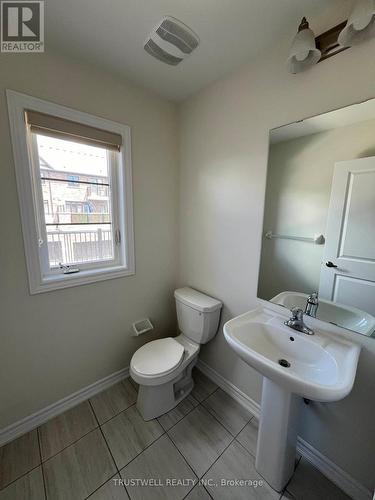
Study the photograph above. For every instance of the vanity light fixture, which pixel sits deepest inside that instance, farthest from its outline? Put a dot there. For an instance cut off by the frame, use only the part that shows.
(303, 52)
(360, 25)
(307, 50)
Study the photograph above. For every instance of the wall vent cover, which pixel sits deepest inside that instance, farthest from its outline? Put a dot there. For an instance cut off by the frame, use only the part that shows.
(171, 41)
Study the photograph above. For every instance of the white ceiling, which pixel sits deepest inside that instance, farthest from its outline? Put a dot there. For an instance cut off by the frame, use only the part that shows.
(111, 33)
(343, 117)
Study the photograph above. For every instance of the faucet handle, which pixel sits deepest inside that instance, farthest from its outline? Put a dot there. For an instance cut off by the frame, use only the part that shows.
(313, 298)
(297, 313)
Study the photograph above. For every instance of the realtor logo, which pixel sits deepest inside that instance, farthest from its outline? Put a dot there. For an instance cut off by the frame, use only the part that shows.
(22, 26)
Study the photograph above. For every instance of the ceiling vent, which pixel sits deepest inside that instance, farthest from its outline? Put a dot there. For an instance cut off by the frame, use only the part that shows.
(171, 41)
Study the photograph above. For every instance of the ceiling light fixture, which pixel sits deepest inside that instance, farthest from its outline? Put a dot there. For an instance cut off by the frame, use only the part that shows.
(303, 52)
(360, 25)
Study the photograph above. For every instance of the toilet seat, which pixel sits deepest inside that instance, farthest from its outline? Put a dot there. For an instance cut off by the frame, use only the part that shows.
(158, 357)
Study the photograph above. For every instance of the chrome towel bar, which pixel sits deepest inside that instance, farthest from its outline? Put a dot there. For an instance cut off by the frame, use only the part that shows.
(318, 239)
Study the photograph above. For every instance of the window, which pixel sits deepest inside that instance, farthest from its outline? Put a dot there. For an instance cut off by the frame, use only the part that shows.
(74, 181)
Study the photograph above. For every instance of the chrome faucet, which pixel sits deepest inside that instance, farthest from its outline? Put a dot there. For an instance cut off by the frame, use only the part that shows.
(296, 322)
(312, 305)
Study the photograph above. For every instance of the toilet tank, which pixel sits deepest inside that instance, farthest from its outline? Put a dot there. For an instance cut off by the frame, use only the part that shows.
(198, 314)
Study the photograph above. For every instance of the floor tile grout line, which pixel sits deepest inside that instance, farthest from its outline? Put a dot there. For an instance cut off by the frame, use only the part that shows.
(254, 457)
(101, 392)
(178, 421)
(165, 432)
(244, 447)
(196, 486)
(144, 449)
(107, 445)
(33, 468)
(208, 493)
(191, 410)
(225, 449)
(70, 444)
(247, 423)
(113, 416)
(291, 477)
(19, 477)
(247, 451)
(105, 482)
(161, 435)
(204, 399)
(83, 435)
(109, 450)
(298, 462)
(41, 465)
(39, 447)
(289, 493)
(184, 458)
(222, 423)
(235, 439)
(171, 438)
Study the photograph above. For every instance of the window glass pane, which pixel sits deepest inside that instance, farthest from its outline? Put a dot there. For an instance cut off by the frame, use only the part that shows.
(79, 244)
(77, 201)
(78, 204)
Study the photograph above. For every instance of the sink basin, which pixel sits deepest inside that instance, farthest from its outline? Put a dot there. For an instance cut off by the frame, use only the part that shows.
(339, 314)
(319, 367)
(294, 365)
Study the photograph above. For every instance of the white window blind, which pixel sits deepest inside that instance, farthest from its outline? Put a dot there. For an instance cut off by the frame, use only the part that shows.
(54, 126)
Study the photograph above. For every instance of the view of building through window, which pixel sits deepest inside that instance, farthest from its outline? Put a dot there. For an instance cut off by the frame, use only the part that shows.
(77, 201)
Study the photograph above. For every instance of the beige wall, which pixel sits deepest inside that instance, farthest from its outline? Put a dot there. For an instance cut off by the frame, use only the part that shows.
(55, 343)
(298, 191)
(224, 148)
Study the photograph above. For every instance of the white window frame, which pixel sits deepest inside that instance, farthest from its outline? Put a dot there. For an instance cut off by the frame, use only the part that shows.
(41, 280)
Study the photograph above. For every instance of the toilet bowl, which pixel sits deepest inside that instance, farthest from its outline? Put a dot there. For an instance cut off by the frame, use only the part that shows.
(163, 367)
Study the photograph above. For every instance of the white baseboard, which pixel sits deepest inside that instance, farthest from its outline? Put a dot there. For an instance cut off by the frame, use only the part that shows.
(252, 406)
(332, 471)
(40, 417)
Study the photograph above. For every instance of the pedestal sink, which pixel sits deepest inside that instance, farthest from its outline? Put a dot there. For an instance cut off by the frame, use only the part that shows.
(320, 367)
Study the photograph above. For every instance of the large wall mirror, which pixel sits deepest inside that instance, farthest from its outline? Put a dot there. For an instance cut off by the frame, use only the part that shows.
(318, 247)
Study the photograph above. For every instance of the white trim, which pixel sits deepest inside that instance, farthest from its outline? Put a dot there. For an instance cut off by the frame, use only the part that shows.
(333, 472)
(328, 468)
(38, 282)
(40, 417)
(252, 406)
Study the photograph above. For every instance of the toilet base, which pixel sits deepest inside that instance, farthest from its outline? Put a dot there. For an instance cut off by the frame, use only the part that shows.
(155, 400)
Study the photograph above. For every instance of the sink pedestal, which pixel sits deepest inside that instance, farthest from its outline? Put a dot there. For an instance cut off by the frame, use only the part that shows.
(277, 437)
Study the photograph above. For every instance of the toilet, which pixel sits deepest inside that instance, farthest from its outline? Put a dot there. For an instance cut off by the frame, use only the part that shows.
(163, 367)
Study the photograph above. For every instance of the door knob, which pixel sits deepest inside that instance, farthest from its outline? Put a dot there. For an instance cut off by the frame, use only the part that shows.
(330, 264)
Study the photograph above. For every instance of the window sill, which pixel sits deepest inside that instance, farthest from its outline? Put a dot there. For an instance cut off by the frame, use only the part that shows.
(56, 282)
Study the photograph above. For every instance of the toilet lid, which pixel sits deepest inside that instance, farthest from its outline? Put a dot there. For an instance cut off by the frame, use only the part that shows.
(158, 357)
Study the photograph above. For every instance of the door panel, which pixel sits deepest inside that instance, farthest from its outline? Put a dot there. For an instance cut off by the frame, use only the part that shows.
(350, 236)
(355, 292)
(358, 234)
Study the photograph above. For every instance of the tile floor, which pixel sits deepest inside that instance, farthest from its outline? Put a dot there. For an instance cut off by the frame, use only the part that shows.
(89, 450)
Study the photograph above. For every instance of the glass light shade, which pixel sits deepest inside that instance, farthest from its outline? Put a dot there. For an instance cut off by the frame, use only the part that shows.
(360, 25)
(303, 52)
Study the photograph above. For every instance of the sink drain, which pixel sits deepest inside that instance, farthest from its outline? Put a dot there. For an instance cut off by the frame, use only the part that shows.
(284, 363)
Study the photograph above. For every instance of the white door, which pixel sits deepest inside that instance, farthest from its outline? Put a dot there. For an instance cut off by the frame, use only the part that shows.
(350, 237)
